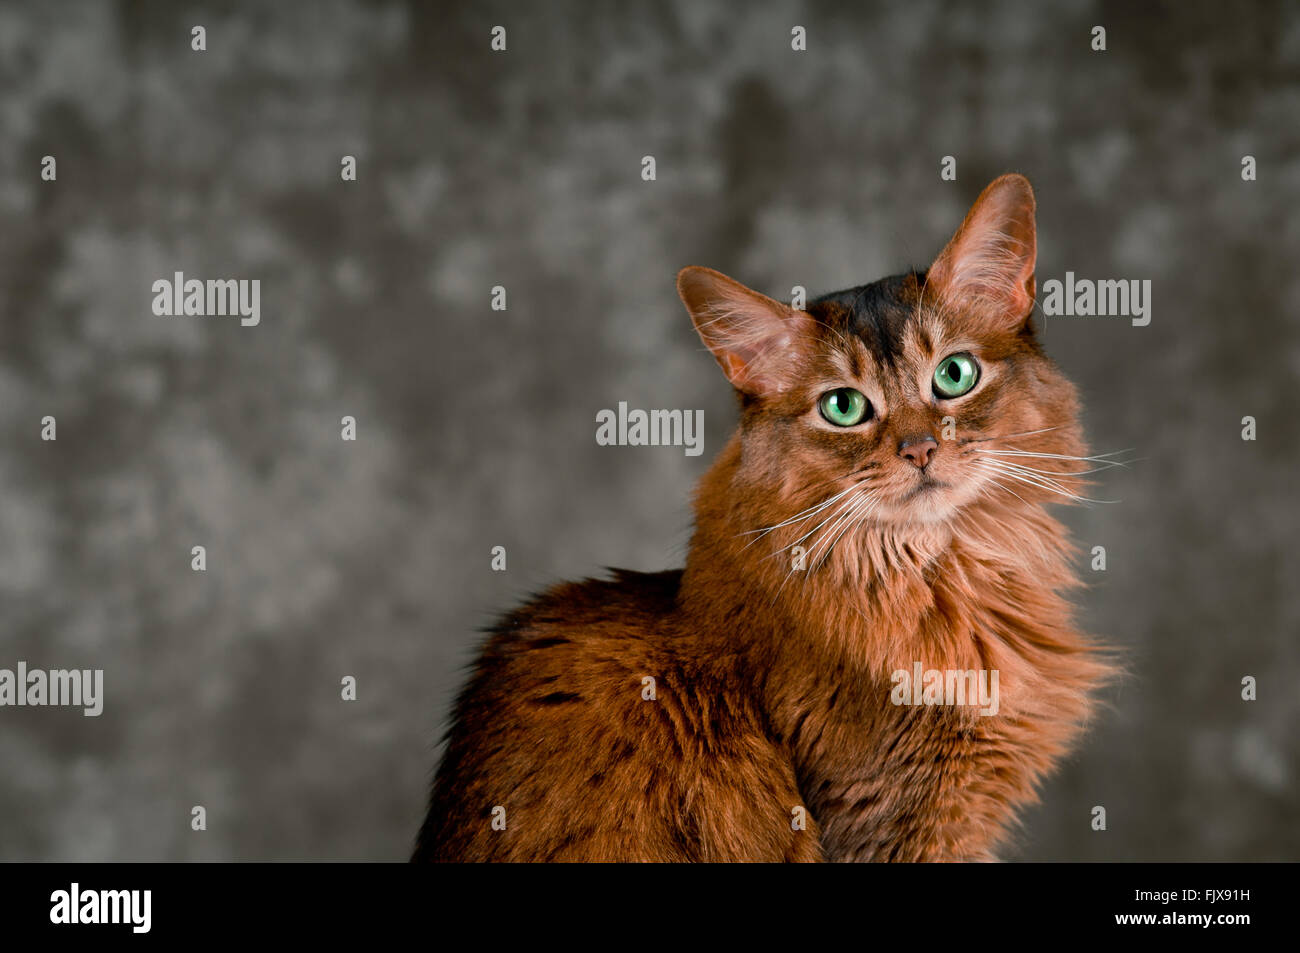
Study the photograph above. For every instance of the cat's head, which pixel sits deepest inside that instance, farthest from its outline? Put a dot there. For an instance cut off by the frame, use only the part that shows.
(914, 397)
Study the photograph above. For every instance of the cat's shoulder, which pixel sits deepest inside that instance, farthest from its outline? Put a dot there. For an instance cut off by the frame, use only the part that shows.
(593, 631)
(626, 600)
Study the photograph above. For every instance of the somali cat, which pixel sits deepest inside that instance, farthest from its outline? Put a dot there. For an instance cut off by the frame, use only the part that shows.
(881, 505)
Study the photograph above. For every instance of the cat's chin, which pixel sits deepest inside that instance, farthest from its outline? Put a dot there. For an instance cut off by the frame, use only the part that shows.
(918, 515)
(926, 506)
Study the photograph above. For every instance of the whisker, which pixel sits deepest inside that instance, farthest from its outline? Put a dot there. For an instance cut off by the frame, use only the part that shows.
(816, 507)
(856, 518)
(1108, 465)
(835, 532)
(837, 511)
(841, 514)
(1007, 488)
(797, 518)
(1030, 478)
(1042, 478)
(1007, 436)
(1048, 476)
(1101, 458)
(846, 517)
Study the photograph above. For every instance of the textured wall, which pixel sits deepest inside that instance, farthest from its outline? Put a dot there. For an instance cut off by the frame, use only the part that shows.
(476, 428)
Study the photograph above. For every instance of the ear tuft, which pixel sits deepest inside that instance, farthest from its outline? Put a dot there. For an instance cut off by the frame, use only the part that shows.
(989, 263)
(752, 337)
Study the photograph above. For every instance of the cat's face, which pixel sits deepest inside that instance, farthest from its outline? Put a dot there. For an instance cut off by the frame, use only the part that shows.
(899, 397)
(912, 397)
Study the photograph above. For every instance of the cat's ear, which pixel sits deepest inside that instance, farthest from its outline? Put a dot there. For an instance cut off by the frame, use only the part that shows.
(754, 338)
(988, 266)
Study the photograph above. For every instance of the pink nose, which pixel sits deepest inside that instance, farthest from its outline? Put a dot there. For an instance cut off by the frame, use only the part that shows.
(918, 451)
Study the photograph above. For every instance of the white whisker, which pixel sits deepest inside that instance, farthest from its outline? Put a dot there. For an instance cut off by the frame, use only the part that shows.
(864, 504)
(1100, 458)
(834, 514)
(798, 518)
(1032, 478)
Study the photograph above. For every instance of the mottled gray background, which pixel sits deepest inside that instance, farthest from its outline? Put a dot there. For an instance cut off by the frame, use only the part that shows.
(477, 428)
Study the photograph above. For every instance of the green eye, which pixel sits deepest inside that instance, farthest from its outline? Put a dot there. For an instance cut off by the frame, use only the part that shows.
(844, 407)
(955, 375)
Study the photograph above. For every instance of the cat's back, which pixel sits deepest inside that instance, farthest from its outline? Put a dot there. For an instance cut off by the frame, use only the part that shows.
(590, 730)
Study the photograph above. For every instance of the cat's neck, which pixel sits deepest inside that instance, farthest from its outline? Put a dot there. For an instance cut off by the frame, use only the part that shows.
(820, 644)
(882, 587)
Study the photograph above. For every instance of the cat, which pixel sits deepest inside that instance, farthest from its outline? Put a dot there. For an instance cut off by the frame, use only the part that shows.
(880, 508)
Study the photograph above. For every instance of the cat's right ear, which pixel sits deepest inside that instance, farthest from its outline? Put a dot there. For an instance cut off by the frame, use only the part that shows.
(754, 338)
(988, 266)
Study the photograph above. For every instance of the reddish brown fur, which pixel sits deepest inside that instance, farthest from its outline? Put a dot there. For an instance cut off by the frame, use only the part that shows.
(773, 687)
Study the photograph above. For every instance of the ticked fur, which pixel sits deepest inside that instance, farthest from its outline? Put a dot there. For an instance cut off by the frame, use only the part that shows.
(740, 709)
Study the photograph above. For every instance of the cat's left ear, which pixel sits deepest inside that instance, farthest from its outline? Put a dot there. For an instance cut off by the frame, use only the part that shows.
(988, 266)
(754, 339)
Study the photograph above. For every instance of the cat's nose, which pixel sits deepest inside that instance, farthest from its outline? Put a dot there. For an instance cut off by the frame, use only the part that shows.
(917, 450)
